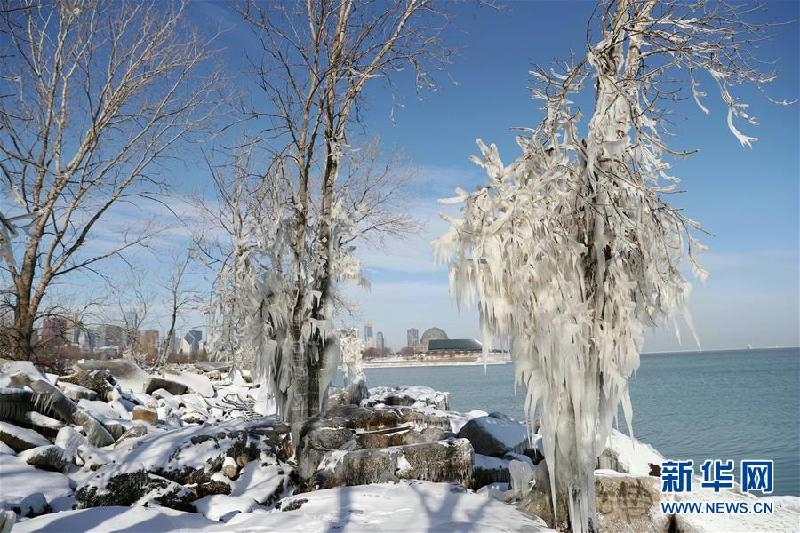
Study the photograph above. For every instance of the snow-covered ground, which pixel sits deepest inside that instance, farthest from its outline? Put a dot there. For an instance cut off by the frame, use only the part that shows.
(192, 439)
(405, 506)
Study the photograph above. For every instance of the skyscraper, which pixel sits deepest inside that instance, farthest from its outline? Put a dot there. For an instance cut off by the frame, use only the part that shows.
(412, 337)
(369, 340)
(380, 343)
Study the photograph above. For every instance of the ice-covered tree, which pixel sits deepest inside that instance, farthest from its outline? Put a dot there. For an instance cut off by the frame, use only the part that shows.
(573, 250)
(316, 60)
(248, 244)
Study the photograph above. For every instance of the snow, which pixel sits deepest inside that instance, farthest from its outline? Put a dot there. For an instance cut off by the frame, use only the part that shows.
(5, 449)
(786, 515)
(23, 434)
(117, 518)
(15, 367)
(30, 488)
(459, 420)
(634, 457)
(260, 482)
(410, 506)
(221, 507)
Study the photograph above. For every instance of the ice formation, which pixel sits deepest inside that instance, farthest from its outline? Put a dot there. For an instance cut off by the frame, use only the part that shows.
(351, 347)
(572, 250)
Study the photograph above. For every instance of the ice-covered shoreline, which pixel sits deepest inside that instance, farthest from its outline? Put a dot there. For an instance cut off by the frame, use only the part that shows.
(191, 448)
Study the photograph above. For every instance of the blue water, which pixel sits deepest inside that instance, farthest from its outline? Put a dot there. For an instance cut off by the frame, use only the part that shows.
(735, 404)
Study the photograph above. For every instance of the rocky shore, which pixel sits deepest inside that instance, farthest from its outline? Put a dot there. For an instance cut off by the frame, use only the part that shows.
(113, 446)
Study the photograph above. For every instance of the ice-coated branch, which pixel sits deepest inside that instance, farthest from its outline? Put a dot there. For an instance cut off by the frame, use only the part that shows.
(573, 249)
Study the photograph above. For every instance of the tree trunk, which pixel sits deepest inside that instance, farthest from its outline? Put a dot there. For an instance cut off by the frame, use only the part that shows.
(22, 333)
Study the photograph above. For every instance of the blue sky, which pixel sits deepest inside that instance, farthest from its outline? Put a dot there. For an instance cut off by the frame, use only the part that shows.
(748, 198)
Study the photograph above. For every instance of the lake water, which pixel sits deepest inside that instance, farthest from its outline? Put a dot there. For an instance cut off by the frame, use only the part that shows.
(735, 404)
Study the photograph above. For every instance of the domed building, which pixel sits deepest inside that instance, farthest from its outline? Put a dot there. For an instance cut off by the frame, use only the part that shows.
(430, 335)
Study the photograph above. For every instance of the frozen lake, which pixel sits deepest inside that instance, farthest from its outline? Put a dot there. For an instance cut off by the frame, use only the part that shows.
(736, 404)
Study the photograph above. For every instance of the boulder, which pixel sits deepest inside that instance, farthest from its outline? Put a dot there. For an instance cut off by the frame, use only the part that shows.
(145, 415)
(69, 440)
(20, 439)
(49, 457)
(42, 424)
(15, 402)
(51, 402)
(76, 392)
(96, 434)
(98, 380)
(134, 432)
(126, 374)
(449, 460)
(495, 435)
(352, 427)
(187, 456)
(196, 383)
(625, 503)
(28, 491)
(229, 468)
(416, 396)
(353, 394)
(136, 488)
(173, 387)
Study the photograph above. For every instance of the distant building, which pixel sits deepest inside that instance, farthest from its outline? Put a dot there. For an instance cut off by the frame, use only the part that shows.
(412, 337)
(109, 335)
(54, 328)
(431, 334)
(369, 340)
(380, 343)
(454, 347)
(148, 340)
(190, 344)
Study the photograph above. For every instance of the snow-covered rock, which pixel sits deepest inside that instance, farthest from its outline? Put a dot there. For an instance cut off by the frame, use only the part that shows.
(197, 383)
(189, 455)
(76, 392)
(126, 374)
(627, 503)
(27, 368)
(42, 424)
(627, 455)
(265, 483)
(495, 435)
(173, 387)
(136, 488)
(413, 395)
(49, 457)
(19, 439)
(449, 460)
(98, 380)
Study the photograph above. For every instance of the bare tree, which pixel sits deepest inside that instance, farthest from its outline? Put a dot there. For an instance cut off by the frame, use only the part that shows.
(317, 58)
(99, 93)
(179, 298)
